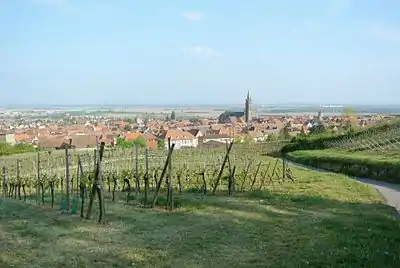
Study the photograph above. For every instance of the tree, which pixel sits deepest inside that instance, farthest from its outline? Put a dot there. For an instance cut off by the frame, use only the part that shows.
(127, 128)
(194, 120)
(173, 116)
(318, 129)
(284, 133)
(142, 142)
(302, 132)
(121, 142)
(161, 144)
(351, 123)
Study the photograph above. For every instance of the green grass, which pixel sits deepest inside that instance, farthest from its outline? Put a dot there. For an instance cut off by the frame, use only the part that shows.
(349, 157)
(360, 164)
(321, 220)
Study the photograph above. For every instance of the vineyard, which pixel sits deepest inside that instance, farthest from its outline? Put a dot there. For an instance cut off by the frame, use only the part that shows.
(187, 208)
(371, 153)
(67, 176)
(374, 140)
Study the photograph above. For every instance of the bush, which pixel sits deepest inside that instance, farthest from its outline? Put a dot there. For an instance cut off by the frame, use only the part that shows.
(7, 149)
(352, 164)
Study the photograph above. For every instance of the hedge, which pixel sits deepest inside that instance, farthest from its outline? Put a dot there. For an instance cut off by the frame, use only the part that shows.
(360, 165)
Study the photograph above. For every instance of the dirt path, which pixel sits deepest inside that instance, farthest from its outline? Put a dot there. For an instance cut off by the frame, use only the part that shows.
(389, 191)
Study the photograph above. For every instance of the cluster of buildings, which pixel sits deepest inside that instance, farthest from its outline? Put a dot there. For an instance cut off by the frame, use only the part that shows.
(82, 132)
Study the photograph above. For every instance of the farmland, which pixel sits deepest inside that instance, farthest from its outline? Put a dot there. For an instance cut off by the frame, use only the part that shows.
(267, 219)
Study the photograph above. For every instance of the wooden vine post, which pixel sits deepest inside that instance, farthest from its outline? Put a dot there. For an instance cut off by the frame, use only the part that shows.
(255, 176)
(159, 182)
(53, 176)
(19, 178)
(100, 190)
(38, 178)
(146, 176)
(231, 181)
(170, 202)
(67, 181)
(4, 182)
(283, 168)
(97, 187)
(137, 171)
(222, 168)
(82, 186)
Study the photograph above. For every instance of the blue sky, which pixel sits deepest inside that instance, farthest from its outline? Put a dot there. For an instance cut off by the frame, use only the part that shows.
(199, 52)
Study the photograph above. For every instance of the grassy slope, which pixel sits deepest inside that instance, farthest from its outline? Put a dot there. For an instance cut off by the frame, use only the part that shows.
(322, 220)
(359, 157)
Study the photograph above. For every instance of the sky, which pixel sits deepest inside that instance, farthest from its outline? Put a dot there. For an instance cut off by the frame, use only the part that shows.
(199, 51)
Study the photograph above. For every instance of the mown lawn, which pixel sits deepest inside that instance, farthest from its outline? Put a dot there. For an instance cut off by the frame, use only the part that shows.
(322, 220)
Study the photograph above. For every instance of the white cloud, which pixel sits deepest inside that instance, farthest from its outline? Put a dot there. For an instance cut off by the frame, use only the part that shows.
(201, 51)
(192, 15)
(385, 33)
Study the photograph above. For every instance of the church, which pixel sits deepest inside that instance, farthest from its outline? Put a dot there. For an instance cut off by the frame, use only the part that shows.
(233, 117)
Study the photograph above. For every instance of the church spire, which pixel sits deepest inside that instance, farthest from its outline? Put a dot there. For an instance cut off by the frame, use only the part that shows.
(247, 108)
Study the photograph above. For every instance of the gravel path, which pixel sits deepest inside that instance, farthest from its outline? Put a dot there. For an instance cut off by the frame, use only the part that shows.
(389, 191)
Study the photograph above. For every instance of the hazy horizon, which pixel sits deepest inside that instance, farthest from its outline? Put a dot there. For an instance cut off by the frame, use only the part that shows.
(71, 52)
(216, 106)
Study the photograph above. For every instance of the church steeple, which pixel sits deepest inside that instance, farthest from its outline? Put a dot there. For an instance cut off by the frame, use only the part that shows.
(247, 108)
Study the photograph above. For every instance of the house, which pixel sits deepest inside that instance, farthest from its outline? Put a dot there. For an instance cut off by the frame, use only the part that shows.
(132, 136)
(196, 132)
(51, 142)
(83, 141)
(180, 138)
(257, 136)
(151, 140)
(7, 138)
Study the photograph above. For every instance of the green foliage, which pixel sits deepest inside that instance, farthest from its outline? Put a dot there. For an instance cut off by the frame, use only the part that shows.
(237, 140)
(248, 140)
(284, 133)
(273, 137)
(318, 129)
(318, 140)
(121, 142)
(141, 142)
(173, 116)
(127, 128)
(7, 149)
(161, 144)
(363, 165)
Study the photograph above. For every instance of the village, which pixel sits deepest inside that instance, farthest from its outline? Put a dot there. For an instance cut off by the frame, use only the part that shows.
(83, 131)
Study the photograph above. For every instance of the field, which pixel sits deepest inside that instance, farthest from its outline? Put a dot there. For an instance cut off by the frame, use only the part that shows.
(385, 167)
(321, 220)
